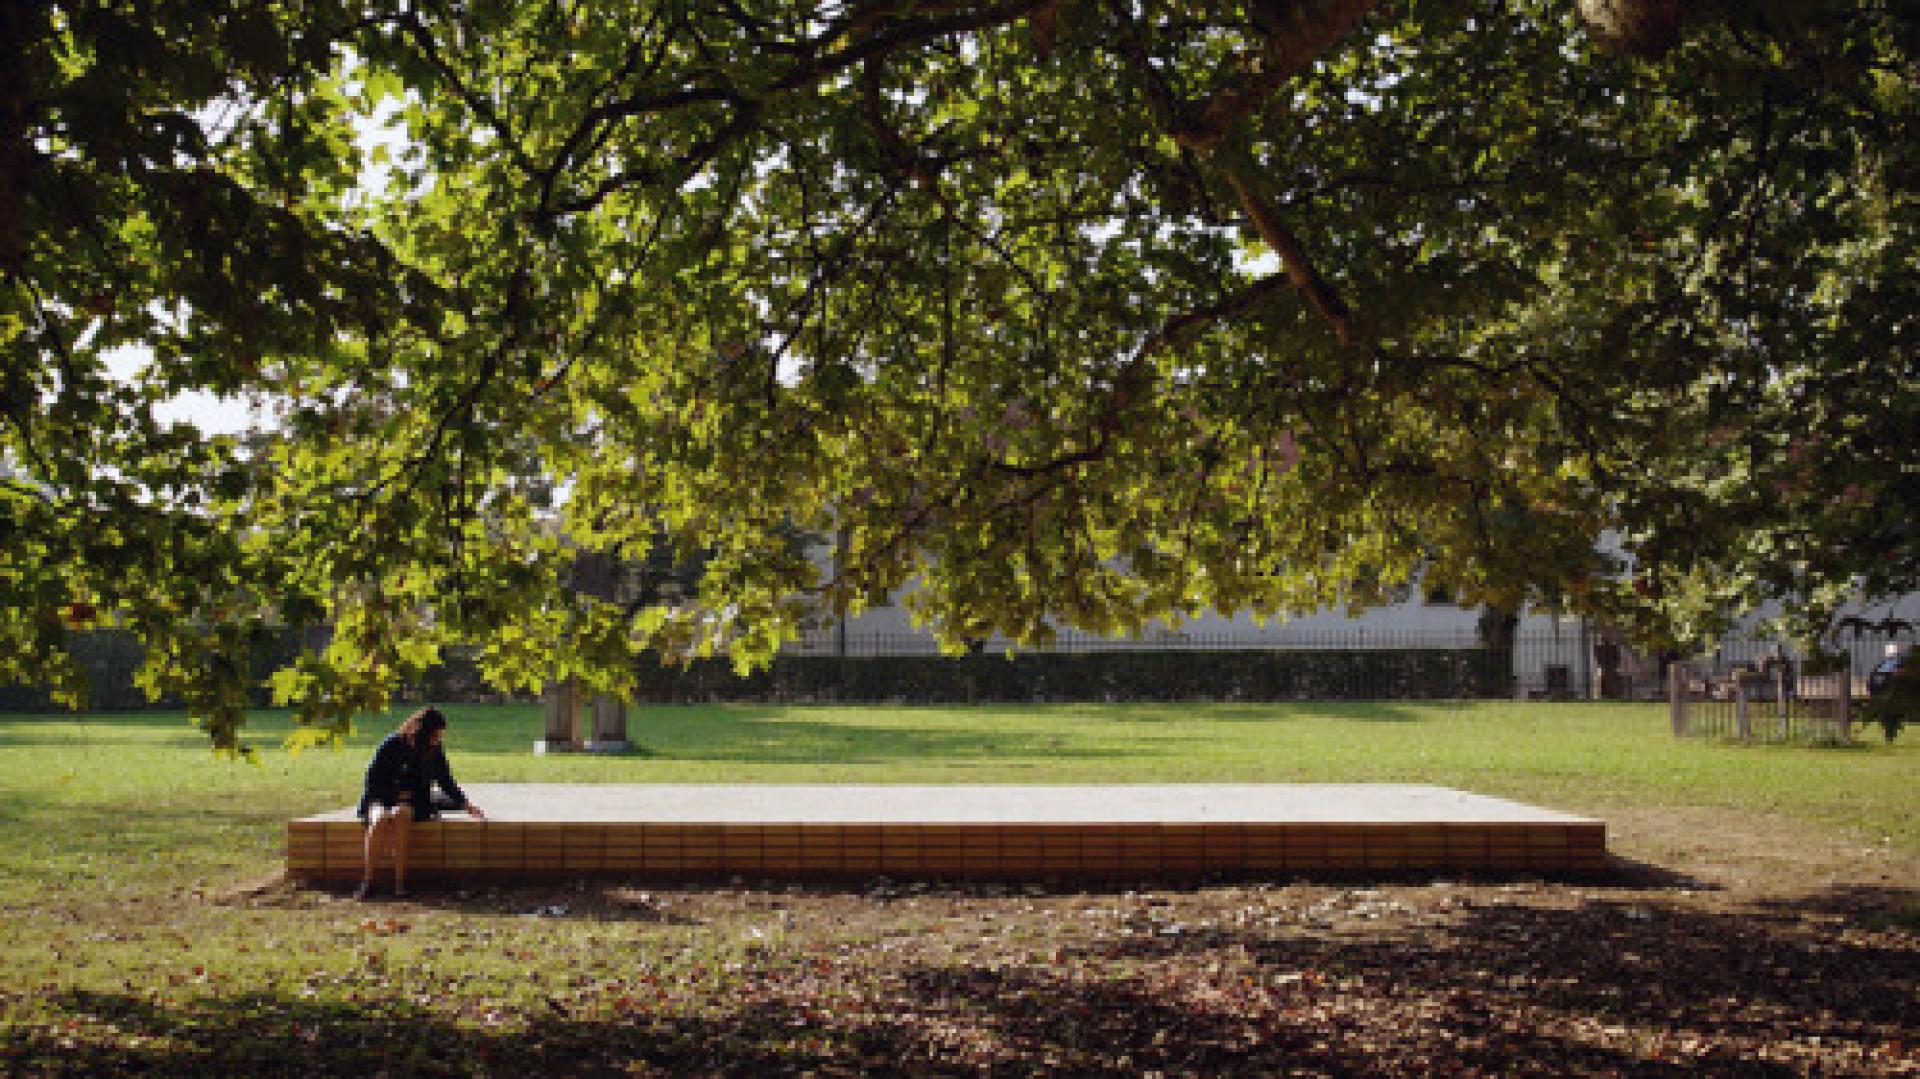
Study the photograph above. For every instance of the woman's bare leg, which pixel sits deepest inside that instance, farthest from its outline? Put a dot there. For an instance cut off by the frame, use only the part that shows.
(379, 830)
(402, 834)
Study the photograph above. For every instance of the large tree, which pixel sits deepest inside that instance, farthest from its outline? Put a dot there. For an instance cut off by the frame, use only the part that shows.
(1075, 311)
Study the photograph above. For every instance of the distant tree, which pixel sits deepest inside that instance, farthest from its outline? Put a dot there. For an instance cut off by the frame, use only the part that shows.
(1080, 311)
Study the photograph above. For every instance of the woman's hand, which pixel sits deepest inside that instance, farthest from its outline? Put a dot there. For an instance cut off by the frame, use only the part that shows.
(474, 812)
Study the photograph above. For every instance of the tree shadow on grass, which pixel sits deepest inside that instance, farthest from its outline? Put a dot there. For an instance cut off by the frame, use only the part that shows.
(633, 902)
(784, 736)
(952, 1019)
(1622, 872)
(147, 731)
(1156, 712)
(1604, 987)
(83, 822)
(637, 899)
(1738, 978)
(781, 734)
(1871, 906)
(761, 734)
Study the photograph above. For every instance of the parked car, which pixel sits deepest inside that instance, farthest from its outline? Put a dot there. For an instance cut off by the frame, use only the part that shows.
(1881, 677)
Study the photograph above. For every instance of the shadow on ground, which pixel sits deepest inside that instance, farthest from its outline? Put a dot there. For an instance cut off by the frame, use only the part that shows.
(1555, 984)
(158, 729)
(784, 736)
(613, 898)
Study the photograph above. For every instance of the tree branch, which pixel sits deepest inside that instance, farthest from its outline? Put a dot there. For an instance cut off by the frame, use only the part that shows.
(902, 156)
(743, 124)
(1294, 34)
(831, 268)
(1176, 329)
(900, 34)
(1249, 187)
(482, 108)
(1172, 333)
(564, 156)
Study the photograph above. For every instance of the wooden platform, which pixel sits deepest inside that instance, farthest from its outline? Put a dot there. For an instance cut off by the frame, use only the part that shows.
(666, 832)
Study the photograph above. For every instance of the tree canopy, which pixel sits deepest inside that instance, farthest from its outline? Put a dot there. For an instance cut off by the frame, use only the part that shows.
(1075, 312)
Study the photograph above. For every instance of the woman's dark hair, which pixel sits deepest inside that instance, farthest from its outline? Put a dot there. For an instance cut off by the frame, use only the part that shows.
(418, 727)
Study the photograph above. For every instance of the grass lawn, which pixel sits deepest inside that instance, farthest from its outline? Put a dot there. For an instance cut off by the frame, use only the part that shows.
(1765, 922)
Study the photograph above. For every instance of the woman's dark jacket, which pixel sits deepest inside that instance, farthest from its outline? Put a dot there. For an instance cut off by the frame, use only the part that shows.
(396, 767)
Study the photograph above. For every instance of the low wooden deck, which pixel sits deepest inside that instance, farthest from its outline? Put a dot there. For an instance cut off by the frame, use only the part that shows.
(668, 832)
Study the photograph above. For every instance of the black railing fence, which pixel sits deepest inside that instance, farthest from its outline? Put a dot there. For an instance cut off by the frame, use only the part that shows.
(1076, 642)
(1861, 651)
(1585, 652)
(1569, 661)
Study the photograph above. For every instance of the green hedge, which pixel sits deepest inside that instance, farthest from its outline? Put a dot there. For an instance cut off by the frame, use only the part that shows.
(110, 657)
(1317, 674)
(1373, 674)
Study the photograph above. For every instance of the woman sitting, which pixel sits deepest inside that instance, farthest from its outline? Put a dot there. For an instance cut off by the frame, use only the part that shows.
(399, 791)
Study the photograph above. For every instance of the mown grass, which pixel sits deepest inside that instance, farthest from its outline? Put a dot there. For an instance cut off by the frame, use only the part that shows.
(123, 840)
(122, 805)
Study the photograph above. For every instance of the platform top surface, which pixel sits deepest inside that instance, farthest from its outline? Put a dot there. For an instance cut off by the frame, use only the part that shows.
(1213, 803)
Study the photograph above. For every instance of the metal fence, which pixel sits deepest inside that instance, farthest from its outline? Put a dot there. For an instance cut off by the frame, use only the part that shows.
(1772, 704)
(1075, 642)
(1567, 662)
(1553, 665)
(1763, 689)
(1862, 650)
(1745, 687)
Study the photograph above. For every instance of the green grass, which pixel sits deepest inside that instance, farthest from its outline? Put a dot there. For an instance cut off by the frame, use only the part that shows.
(119, 834)
(125, 804)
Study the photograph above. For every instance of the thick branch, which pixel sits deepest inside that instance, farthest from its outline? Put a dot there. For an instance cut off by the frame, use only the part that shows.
(566, 156)
(901, 155)
(899, 34)
(1249, 187)
(481, 108)
(1180, 326)
(1299, 31)
(1128, 385)
(684, 168)
(1295, 32)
